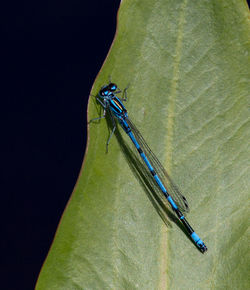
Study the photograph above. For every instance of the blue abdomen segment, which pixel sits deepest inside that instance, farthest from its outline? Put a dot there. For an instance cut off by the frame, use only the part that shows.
(174, 206)
(131, 135)
(151, 169)
(198, 242)
(195, 237)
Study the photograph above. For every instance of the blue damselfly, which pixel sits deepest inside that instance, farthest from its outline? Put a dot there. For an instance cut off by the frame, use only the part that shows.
(112, 104)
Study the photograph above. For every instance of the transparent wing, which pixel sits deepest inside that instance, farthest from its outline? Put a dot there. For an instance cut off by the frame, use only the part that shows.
(171, 188)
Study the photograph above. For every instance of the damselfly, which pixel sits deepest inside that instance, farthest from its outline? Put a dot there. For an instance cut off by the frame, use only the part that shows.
(112, 104)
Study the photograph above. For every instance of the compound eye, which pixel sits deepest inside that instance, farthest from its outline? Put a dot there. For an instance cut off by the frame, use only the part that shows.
(105, 93)
(113, 87)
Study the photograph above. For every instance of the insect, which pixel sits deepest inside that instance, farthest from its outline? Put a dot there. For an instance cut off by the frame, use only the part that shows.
(112, 104)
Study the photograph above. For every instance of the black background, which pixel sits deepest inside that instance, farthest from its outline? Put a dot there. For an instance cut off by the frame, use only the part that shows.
(51, 52)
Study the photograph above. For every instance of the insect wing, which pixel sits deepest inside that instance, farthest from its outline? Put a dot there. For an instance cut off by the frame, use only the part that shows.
(170, 186)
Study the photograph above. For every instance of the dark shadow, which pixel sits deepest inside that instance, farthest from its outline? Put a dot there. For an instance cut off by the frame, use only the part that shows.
(147, 182)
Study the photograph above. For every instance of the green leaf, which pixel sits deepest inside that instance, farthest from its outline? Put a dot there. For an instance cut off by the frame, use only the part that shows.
(187, 67)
